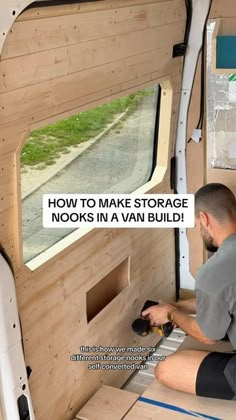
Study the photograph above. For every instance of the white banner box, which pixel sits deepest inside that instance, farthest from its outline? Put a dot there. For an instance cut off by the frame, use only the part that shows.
(118, 210)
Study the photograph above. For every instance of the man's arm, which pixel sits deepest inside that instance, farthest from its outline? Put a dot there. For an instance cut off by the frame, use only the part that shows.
(190, 326)
(188, 306)
(158, 315)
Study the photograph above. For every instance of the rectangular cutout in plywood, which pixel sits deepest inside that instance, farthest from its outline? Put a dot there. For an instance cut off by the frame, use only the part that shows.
(107, 289)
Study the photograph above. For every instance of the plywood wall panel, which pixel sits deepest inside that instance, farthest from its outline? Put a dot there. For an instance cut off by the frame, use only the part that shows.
(7, 172)
(62, 61)
(78, 105)
(14, 134)
(55, 366)
(69, 260)
(45, 12)
(44, 34)
(44, 96)
(69, 310)
(224, 176)
(222, 8)
(66, 291)
(10, 137)
(37, 90)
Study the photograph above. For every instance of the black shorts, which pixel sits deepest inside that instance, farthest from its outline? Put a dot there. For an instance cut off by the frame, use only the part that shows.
(216, 377)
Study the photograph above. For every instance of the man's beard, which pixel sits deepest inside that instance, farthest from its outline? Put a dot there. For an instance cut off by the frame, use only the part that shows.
(207, 239)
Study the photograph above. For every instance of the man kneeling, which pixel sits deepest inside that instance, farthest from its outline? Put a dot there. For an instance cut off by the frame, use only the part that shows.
(209, 374)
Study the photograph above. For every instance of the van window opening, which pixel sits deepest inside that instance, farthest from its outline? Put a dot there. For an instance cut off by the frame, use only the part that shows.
(108, 149)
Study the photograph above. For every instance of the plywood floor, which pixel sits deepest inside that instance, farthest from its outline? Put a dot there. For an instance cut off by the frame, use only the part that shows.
(145, 399)
(158, 401)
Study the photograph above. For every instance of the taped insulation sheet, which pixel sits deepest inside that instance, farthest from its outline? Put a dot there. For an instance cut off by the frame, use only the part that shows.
(221, 113)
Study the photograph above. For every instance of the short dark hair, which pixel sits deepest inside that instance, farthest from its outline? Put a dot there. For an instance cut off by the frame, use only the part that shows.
(216, 199)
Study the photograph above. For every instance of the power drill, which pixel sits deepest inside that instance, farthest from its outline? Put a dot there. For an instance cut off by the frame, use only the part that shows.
(141, 326)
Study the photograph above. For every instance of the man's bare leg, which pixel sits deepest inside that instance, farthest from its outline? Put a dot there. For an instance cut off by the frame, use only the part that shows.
(179, 371)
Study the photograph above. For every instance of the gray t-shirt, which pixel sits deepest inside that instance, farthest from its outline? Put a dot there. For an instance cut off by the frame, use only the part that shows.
(216, 293)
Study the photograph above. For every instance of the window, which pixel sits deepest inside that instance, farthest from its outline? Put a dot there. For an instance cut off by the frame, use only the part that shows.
(108, 149)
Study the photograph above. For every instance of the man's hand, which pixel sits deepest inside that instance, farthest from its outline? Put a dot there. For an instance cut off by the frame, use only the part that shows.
(157, 315)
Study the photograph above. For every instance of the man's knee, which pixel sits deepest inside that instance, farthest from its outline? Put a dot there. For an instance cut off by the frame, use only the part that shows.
(179, 371)
(163, 371)
(159, 372)
(166, 370)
